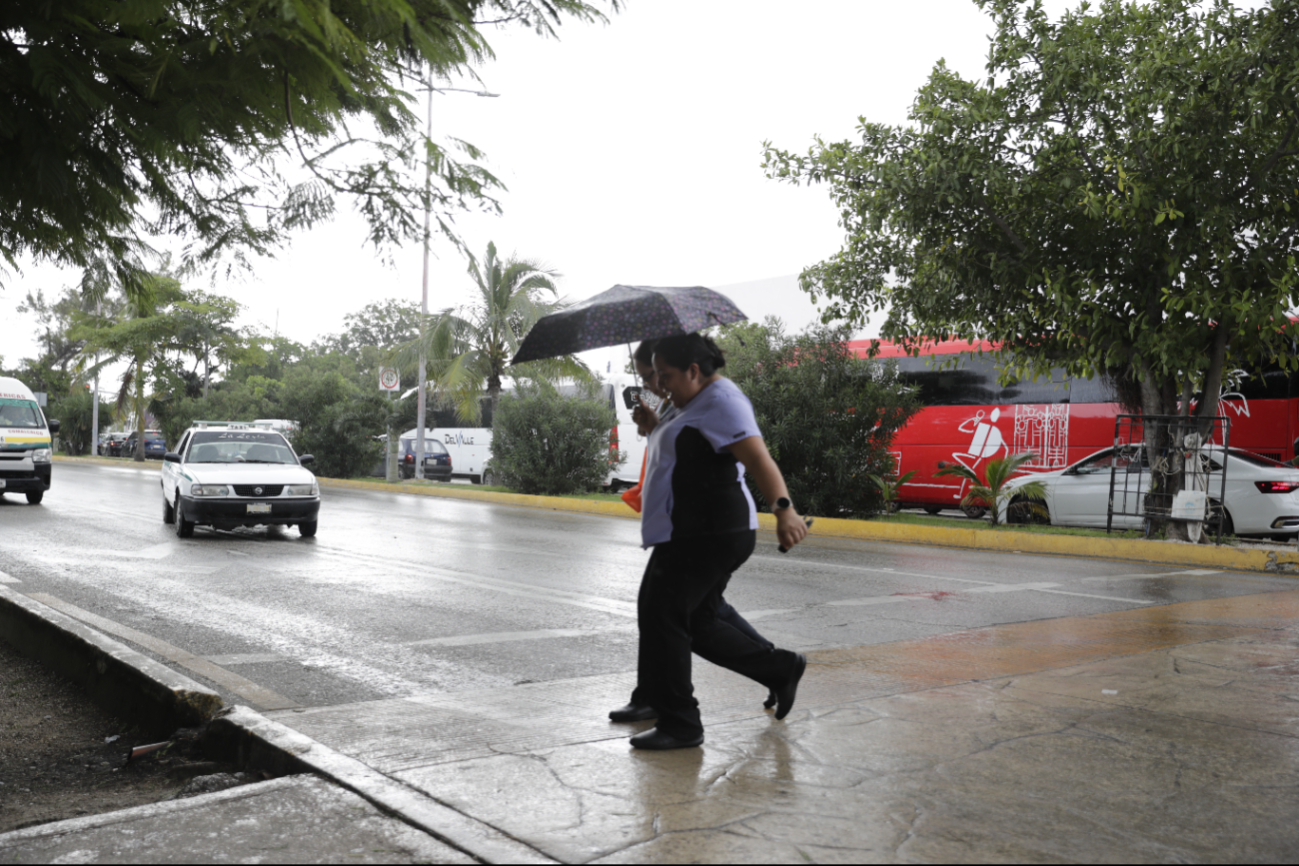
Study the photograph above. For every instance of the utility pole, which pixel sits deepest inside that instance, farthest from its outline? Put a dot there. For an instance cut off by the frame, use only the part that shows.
(94, 402)
(421, 399)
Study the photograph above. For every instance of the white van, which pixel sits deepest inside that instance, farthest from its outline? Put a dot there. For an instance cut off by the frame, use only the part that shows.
(25, 442)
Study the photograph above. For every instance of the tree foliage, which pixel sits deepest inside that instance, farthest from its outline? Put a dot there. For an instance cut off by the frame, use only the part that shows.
(1119, 195)
(547, 443)
(468, 350)
(121, 119)
(827, 416)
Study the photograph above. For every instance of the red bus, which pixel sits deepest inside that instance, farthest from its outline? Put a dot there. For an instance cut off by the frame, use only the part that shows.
(969, 418)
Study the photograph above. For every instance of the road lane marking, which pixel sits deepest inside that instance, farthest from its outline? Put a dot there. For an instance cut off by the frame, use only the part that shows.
(247, 659)
(1197, 572)
(1101, 597)
(229, 680)
(510, 636)
(4, 578)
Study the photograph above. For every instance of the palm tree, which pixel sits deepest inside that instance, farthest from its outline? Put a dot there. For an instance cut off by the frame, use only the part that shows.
(889, 486)
(147, 329)
(468, 350)
(992, 492)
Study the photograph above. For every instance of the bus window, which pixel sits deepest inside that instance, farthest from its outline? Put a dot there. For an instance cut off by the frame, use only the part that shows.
(973, 382)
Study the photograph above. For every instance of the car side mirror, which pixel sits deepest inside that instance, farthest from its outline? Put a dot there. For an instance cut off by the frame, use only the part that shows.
(306, 460)
(171, 457)
(54, 427)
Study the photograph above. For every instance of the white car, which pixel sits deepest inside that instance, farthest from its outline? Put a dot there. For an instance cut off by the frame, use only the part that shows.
(1261, 498)
(227, 475)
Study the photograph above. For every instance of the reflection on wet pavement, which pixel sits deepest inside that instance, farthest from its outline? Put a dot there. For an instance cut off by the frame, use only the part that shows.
(1156, 734)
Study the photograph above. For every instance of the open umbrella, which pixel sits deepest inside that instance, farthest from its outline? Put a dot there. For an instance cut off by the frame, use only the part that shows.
(626, 314)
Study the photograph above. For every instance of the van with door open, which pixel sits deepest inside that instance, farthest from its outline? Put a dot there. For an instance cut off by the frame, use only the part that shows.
(26, 449)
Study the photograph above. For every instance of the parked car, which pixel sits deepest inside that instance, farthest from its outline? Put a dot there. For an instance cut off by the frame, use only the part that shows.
(114, 444)
(155, 446)
(229, 475)
(437, 462)
(1261, 498)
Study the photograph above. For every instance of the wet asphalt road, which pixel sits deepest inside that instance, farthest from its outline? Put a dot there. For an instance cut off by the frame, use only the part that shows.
(401, 595)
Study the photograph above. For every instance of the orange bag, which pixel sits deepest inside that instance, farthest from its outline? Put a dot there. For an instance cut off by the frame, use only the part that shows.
(632, 494)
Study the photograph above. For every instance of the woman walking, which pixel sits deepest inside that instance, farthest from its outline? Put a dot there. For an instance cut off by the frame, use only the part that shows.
(701, 522)
(638, 708)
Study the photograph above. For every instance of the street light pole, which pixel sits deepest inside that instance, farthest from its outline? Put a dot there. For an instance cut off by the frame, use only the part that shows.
(421, 399)
(94, 403)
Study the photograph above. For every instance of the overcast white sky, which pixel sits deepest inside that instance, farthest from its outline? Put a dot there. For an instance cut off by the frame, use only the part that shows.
(632, 153)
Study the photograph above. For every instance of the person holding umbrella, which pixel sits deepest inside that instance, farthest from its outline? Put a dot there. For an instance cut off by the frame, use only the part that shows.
(701, 522)
(638, 709)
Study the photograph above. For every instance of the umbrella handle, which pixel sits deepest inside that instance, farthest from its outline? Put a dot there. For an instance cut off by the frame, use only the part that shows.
(807, 521)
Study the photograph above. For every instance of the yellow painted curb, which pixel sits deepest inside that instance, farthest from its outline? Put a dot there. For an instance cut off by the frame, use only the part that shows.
(1129, 549)
(549, 503)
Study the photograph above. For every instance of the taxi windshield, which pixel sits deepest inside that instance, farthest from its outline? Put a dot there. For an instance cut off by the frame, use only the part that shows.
(240, 446)
(20, 413)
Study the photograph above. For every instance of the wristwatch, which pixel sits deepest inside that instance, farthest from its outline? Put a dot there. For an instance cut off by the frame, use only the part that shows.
(782, 503)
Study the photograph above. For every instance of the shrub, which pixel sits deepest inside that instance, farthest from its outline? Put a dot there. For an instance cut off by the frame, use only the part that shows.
(337, 420)
(547, 443)
(827, 416)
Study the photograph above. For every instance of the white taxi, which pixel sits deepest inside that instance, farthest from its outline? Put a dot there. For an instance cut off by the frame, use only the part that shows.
(226, 474)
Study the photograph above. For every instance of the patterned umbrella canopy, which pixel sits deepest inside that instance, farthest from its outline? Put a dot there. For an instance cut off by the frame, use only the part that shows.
(626, 314)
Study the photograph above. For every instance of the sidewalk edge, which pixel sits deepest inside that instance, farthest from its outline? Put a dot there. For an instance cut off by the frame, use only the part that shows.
(248, 738)
(115, 676)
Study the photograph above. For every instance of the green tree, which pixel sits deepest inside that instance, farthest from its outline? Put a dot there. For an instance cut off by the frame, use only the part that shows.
(547, 443)
(338, 420)
(468, 351)
(992, 492)
(123, 119)
(827, 416)
(147, 336)
(371, 334)
(1118, 196)
(74, 412)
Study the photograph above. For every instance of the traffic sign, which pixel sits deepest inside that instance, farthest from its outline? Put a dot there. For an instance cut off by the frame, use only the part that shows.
(389, 379)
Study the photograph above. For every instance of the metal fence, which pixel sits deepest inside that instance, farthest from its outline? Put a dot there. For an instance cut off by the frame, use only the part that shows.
(1154, 454)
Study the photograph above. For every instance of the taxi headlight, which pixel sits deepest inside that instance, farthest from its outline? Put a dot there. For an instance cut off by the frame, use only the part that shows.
(311, 489)
(209, 490)
(41, 455)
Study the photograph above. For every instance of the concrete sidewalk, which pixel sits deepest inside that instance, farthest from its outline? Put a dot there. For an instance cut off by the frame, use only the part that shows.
(1168, 733)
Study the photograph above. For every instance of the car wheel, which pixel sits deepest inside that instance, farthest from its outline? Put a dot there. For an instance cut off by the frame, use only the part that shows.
(488, 478)
(1028, 511)
(933, 509)
(308, 529)
(168, 513)
(1211, 525)
(34, 497)
(974, 512)
(184, 528)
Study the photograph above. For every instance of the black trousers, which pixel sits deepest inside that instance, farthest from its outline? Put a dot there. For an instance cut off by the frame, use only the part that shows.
(727, 614)
(678, 613)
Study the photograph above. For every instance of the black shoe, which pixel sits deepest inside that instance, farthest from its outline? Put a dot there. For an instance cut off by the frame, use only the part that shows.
(786, 693)
(656, 740)
(633, 713)
(770, 701)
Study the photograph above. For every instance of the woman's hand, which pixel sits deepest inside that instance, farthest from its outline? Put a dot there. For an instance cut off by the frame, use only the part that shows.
(790, 528)
(645, 418)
